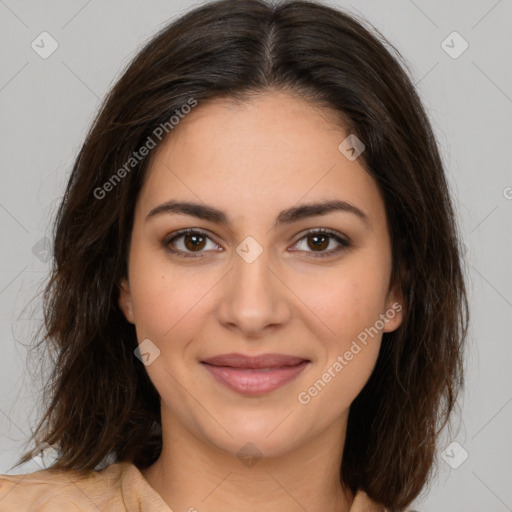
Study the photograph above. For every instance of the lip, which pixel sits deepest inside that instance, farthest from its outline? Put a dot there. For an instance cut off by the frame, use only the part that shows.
(254, 375)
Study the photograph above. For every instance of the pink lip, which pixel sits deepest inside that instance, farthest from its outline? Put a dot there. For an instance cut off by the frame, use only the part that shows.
(245, 374)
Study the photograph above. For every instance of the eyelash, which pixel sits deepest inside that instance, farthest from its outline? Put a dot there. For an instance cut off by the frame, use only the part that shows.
(344, 244)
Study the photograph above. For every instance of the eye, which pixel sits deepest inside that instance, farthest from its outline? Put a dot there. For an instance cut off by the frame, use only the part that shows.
(193, 241)
(189, 241)
(320, 239)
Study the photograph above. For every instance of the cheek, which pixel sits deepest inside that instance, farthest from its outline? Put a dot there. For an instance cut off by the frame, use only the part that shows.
(166, 303)
(159, 297)
(350, 347)
(347, 303)
(169, 311)
(332, 392)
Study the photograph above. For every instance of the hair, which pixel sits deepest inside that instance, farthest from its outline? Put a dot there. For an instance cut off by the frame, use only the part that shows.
(99, 401)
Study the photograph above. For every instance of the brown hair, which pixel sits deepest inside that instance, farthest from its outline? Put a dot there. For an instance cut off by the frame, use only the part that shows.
(101, 402)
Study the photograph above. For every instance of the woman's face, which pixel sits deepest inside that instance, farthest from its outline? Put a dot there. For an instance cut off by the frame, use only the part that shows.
(251, 280)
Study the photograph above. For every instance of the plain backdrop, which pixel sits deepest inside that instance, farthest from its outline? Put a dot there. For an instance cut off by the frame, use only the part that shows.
(47, 104)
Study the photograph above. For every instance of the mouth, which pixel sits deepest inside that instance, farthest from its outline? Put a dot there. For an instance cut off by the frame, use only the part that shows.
(255, 375)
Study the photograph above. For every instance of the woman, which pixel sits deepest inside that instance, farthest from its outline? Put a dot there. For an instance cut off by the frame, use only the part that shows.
(257, 300)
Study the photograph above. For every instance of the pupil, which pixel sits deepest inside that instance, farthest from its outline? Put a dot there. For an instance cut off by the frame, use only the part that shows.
(316, 244)
(198, 242)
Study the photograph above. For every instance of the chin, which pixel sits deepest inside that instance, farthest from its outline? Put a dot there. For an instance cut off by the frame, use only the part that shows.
(243, 446)
(268, 436)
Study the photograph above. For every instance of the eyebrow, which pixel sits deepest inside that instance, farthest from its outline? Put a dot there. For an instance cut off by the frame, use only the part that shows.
(209, 213)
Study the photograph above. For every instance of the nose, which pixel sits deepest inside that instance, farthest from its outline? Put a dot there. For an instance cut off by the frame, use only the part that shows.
(254, 297)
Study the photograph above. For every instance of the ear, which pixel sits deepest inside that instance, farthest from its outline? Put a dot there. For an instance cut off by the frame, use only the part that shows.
(394, 311)
(125, 301)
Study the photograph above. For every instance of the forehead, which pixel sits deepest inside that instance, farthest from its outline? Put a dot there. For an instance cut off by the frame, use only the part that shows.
(264, 154)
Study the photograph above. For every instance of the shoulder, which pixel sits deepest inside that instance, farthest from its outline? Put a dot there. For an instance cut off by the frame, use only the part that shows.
(49, 490)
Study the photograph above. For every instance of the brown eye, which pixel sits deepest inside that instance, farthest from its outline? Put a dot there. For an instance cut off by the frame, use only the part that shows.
(319, 240)
(193, 242)
(189, 242)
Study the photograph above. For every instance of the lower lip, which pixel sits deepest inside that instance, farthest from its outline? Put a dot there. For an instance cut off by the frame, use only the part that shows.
(255, 382)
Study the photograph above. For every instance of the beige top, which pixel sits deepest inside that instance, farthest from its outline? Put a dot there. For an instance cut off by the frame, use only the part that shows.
(119, 487)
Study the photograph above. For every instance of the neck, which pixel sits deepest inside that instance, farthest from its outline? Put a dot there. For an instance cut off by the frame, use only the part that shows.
(192, 474)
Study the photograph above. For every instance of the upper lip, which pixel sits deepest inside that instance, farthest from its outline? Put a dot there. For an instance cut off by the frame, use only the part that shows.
(260, 361)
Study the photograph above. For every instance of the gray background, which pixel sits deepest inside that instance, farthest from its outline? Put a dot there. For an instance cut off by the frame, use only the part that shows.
(47, 105)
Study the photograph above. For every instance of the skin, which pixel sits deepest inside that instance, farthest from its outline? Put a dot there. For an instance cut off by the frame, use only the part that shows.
(252, 160)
